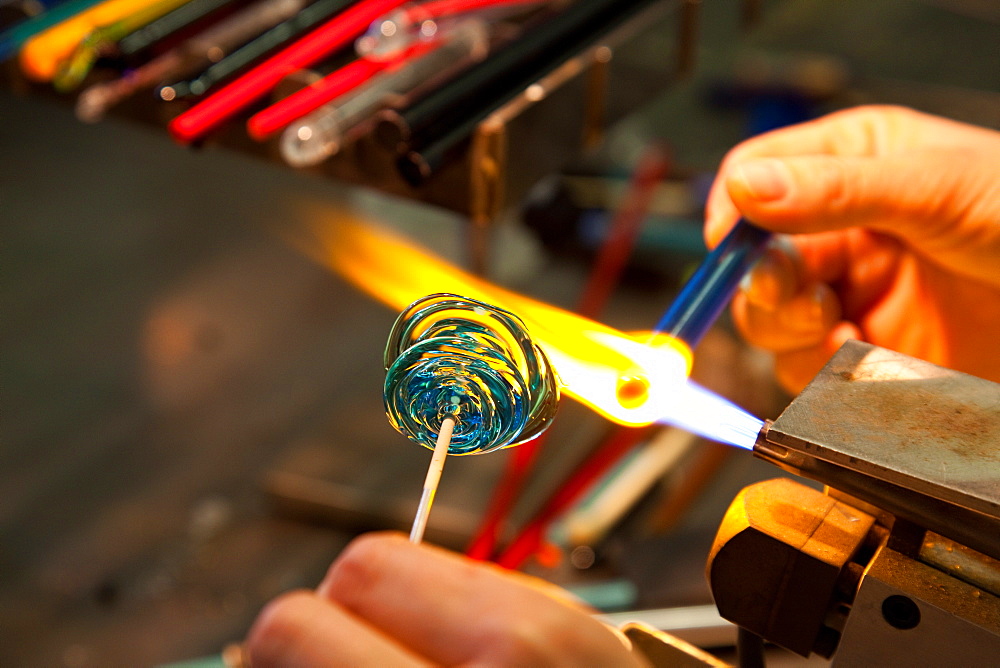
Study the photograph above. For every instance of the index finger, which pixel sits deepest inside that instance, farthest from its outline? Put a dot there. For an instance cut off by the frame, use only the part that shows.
(854, 132)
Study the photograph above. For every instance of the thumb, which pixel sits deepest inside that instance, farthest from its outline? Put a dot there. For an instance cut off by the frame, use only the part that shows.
(934, 201)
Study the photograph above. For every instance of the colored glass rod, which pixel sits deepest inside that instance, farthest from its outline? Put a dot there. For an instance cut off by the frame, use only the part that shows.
(713, 283)
(218, 107)
(42, 55)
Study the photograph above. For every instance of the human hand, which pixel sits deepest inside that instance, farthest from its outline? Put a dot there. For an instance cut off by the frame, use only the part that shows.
(894, 218)
(388, 602)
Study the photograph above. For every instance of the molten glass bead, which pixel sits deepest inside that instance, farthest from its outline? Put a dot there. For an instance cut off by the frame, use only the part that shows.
(450, 356)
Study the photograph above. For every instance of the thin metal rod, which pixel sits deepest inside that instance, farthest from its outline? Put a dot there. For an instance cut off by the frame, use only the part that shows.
(749, 649)
(432, 479)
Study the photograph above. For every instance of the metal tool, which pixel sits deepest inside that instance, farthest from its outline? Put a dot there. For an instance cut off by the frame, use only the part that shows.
(898, 562)
(911, 438)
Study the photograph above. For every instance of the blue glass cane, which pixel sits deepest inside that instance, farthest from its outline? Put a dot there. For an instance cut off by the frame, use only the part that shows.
(713, 283)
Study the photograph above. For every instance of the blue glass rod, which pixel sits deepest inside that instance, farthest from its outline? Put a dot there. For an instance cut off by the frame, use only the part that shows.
(713, 283)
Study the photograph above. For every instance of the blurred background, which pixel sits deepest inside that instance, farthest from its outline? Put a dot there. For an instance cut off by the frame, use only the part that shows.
(192, 419)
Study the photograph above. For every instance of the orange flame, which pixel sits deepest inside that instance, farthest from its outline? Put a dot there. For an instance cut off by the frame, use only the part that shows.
(622, 377)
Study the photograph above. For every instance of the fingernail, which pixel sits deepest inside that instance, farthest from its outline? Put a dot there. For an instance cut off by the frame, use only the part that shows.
(765, 285)
(829, 304)
(765, 180)
(817, 300)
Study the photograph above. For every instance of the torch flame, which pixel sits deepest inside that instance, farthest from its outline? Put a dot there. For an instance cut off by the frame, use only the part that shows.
(627, 379)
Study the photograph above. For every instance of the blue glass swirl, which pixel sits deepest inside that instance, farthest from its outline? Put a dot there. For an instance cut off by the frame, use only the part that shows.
(451, 356)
